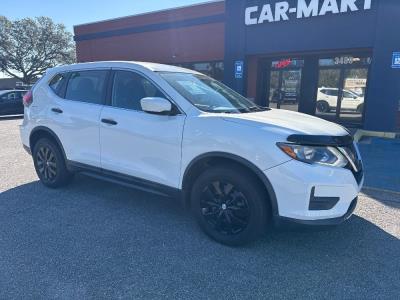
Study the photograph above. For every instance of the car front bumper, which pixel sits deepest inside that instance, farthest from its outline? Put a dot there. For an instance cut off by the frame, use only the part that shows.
(283, 221)
(313, 194)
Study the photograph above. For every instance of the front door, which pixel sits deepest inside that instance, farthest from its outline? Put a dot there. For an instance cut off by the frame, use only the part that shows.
(137, 143)
(285, 83)
(342, 84)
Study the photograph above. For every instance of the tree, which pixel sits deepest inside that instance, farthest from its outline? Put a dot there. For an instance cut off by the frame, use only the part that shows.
(30, 46)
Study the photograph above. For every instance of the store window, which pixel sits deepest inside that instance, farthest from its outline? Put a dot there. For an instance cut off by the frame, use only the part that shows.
(285, 83)
(212, 69)
(342, 85)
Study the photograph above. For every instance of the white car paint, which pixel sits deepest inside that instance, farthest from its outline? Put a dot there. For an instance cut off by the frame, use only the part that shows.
(350, 100)
(160, 148)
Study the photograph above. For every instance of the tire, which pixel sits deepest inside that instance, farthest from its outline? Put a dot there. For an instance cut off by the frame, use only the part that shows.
(230, 205)
(50, 164)
(323, 106)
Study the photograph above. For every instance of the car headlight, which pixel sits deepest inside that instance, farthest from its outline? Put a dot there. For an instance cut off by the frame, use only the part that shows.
(329, 156)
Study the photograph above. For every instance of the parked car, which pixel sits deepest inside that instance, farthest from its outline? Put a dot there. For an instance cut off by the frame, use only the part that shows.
(327, 100)
(11, 102)
(174, 131)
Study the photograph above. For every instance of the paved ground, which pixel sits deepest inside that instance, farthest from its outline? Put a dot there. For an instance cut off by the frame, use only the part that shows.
(97, 240)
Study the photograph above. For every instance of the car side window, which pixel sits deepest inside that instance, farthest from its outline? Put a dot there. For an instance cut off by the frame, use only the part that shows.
(87, 86)
(348, 95)
(332, 92)
(8, 97)
(4, 97)
(129, 88)
(57, 83)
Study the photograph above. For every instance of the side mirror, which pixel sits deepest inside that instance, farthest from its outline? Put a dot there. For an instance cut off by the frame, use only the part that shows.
(156, 105)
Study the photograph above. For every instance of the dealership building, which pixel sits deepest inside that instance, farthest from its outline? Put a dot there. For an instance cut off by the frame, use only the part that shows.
(335, 59)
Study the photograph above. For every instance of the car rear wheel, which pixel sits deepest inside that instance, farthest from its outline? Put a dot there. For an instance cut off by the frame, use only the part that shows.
(50, 164)
(230, 205)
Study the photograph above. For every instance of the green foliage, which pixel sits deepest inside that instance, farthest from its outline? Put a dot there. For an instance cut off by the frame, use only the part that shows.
(30, 46)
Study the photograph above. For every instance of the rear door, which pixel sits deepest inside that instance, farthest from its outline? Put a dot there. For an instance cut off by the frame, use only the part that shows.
(75, 113)
(137, 143)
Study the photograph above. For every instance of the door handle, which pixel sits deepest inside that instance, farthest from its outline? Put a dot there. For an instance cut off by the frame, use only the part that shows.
(57, 110)
(109, 122)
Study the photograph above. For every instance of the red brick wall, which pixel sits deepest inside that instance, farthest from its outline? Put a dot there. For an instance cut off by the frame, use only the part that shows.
(184, 44)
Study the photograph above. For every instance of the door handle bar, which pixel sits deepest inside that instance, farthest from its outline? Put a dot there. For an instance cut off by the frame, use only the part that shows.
(109, 121)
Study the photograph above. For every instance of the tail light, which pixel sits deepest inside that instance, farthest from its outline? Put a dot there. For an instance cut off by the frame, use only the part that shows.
(28, 98)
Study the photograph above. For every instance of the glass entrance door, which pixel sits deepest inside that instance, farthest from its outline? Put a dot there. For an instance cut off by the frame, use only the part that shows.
(341, 88)
(285, 84)
(328, 93)
(354, 86)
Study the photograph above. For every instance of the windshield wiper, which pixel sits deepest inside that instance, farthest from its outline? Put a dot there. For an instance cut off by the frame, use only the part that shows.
(257, 108)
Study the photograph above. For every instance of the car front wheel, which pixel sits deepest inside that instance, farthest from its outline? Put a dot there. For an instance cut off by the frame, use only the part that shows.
(230, 205)
(323, 107)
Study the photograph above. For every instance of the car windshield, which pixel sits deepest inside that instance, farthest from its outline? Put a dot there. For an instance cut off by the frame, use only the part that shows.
(208, 94)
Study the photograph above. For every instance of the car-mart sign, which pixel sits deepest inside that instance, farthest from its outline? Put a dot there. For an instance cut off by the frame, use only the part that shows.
(281, 11)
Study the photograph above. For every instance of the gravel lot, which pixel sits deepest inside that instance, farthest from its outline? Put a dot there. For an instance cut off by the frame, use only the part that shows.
(97, 240)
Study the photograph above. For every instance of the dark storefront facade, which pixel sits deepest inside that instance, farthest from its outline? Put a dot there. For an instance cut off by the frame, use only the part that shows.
(336, 59)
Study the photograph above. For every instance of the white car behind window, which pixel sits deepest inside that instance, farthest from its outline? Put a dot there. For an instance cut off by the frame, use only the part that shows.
(327, 100)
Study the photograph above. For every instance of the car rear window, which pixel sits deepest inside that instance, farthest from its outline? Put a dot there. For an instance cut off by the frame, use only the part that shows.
(57, 83)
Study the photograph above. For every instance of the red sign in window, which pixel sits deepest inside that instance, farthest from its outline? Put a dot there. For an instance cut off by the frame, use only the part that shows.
(283, 63)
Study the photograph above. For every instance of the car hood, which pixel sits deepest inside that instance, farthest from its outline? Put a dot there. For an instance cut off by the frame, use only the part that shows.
(287, 123)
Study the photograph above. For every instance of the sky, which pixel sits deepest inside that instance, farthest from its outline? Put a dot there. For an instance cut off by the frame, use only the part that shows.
(75, 12)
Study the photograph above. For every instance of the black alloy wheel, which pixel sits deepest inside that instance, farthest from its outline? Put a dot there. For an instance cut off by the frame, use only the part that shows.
(323, 107)
(47, 164)
(230, 204)
(225, 208)
(50, 164)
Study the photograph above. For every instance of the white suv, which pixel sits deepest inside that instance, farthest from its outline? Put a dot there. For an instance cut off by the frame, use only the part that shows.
(327, 100)
(174, 131)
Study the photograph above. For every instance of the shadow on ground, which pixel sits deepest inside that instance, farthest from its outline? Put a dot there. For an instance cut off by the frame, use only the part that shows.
(97, 240)
(388, 198)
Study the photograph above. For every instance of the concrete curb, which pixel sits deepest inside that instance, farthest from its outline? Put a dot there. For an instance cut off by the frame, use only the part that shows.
(360, 133)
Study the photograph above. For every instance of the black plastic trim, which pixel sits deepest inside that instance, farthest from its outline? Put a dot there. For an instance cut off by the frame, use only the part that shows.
(321, 140)
(27, 149)
(260, 174)
(322, 203)
(125, 180)
(284, 221)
